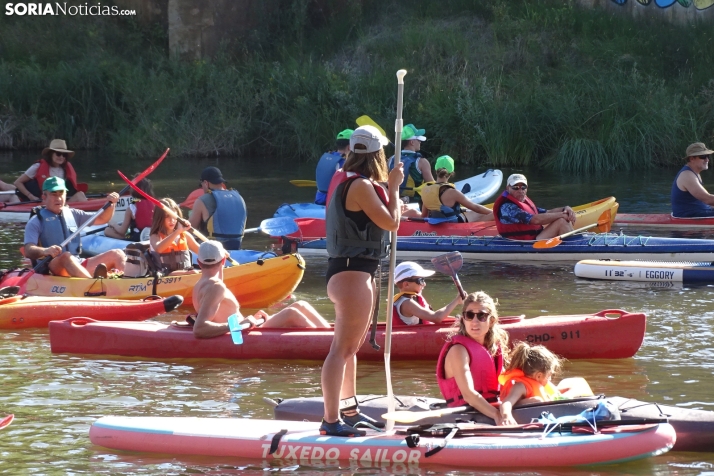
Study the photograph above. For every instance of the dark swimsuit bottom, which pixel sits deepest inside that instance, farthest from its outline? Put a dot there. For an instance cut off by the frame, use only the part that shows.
(337, 265)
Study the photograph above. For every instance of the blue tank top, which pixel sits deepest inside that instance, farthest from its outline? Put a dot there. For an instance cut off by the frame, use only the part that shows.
(684, 205)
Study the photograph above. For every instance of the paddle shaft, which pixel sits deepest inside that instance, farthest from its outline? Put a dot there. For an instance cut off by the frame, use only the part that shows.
(406, 416)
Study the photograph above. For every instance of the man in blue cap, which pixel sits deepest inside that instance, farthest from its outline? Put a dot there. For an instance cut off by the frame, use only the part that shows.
(417, 169)
(329, 163)
(55, 222)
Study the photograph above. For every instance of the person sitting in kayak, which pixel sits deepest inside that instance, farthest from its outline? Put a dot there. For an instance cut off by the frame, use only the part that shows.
(214, 302)
(8, 197)
(138, 215)
(54, 163)
(410, 307)
(54, 223)
(220, 213)
(527, 379)
(518, 218)
(442, 200)
(329, 163)
(171, 240)
(417, 169)
(689, 197)
(473, 357)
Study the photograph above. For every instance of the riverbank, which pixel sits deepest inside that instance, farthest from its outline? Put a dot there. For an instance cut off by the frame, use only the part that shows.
(503, 83)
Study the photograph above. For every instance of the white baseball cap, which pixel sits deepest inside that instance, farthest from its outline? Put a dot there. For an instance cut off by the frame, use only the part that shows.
(368, 136)
(517, 178)
(211, 252)
(410, 269)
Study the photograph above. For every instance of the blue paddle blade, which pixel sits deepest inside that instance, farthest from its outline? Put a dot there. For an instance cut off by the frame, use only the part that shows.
(279, 226)
(236, 329)
(438, 221)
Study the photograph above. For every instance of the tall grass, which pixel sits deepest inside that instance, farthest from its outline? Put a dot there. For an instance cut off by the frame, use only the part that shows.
(505, 83)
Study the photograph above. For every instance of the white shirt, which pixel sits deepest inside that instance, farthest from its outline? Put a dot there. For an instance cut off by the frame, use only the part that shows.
(54, 171)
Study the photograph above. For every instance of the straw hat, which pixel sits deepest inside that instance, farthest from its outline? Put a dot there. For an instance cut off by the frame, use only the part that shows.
(58, 145)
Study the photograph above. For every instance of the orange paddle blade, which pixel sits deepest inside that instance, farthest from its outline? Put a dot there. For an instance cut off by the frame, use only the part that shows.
(603, 224)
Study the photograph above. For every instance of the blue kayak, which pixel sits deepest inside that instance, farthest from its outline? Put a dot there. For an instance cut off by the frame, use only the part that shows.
(573, 248)
(97, 243)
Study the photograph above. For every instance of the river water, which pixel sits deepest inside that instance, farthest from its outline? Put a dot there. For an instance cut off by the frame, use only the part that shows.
(55, 398)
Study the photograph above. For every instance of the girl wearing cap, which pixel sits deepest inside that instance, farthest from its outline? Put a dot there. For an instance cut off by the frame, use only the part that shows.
(410, 307)
(442, 200)
(170, 239)
(54, 163)
(359, 215)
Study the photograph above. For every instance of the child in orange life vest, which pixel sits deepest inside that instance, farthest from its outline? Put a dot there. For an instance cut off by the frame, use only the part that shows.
(527, 379)
(410, 307)
(170, 239)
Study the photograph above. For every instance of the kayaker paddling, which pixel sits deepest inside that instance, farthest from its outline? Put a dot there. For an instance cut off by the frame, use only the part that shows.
(410, 307)
(329, 163)
(214, 302)
(55, 222)
(442, 200)
(138, 215)
(54, 163)
(689, 197)
(518, 218)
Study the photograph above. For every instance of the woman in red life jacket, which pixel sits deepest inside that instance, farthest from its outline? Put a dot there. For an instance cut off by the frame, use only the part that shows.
(54, 163)
(527, 379)
(137, 216)
(359, 216)
(410, 307)
(472, 358)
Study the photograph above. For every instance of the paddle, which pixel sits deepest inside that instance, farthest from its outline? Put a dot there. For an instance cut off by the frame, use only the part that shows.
(603, 224)
(304, 183)
(171, 213)
(406, 416)
(279, 226)
(237, 329)
(7, 192)
(450, 263)
(6, 421)
(46, 259)
(398, 127)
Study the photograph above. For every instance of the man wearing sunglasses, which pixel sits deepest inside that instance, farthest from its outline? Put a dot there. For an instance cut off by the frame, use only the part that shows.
(410, 307)
(518, 218)
(689, 197)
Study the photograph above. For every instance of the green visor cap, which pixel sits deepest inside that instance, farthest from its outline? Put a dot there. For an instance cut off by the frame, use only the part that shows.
(346, 134)
(411, 132)
(54, 184)
(445, 162)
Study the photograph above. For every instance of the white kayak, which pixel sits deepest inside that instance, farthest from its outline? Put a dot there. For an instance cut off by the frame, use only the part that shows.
(478, 189)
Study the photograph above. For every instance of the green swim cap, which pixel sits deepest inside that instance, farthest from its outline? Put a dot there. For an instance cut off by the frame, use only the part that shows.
(346, 134)
(445, 162)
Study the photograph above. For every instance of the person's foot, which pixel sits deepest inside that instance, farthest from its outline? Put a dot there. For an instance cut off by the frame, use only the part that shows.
(100, 271)
(339, 428)
(360, 418)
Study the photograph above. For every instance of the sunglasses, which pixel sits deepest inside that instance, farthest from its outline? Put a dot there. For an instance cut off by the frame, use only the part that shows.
(519, 187)
(61, 154)
(480, 316)
(704, 157)
(419, 281)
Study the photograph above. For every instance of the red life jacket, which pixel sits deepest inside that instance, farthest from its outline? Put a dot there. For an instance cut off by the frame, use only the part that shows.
(485, 370)
(342, 176)
(396, 320)
(518, 231)
(43, 173)
(144, 214)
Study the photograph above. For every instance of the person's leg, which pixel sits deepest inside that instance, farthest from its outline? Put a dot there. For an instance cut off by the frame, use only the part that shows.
(77, 197)
(310, 313)
(472, 216)
(558, 227)
(67, 265)
(288, 317)
(353, 295)
(111, 233)
(113, 259)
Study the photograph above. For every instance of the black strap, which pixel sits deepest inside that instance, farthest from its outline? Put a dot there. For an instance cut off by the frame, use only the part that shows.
(375, 314)
(436, 449)
(276, 441)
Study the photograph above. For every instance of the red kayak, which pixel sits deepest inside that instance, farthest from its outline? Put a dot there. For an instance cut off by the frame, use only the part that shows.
(609, 334)
(661, 220)
(20, 312)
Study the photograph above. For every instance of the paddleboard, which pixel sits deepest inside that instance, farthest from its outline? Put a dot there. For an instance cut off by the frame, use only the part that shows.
(648, 271)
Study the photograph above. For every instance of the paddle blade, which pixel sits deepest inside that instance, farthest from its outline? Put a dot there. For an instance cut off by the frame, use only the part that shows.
(236, 329)
(280, 226)
(545, 244)
(304, 183)
(448, 263)
(409, 417)
(5, 422)
(367, 121)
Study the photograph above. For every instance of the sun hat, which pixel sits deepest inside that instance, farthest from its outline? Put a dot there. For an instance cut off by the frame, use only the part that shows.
(410, 269)
(698, 148)
(211, 252)
(445, 162)
(411, 132)
(58, 145)
(54, 184)
(517, 178)
(212, 175)
(346, 134)
(368, 136)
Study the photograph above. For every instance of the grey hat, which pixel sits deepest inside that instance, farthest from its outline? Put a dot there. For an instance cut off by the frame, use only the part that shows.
(368, 136)
(696, 149)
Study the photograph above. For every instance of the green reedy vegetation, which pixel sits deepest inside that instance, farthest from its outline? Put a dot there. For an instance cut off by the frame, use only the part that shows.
(497, 82)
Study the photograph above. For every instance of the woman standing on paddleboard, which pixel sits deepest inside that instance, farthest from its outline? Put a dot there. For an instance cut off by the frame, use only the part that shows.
(360, 214)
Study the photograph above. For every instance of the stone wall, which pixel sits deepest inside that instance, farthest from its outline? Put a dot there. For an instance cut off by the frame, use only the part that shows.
(681, 12)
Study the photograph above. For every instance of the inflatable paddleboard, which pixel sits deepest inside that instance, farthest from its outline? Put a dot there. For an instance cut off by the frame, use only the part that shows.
(649, 271)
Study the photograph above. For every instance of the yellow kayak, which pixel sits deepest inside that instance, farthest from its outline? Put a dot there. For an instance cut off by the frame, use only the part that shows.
(255, 284)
